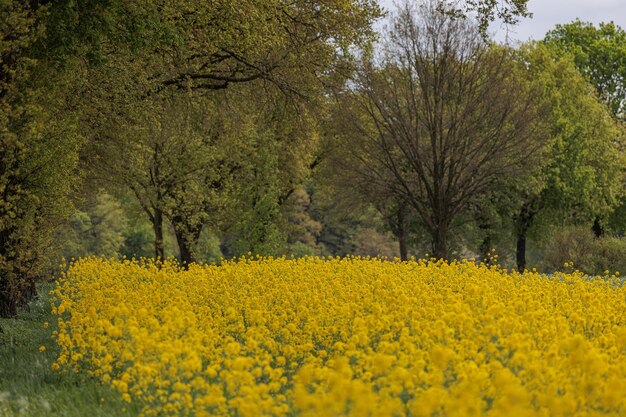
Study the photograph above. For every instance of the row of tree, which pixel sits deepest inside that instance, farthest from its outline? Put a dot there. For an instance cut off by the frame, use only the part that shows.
(285, 127)
(446, 128)
(78, 78)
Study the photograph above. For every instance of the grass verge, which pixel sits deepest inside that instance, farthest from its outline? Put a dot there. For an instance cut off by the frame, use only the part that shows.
(29, 387)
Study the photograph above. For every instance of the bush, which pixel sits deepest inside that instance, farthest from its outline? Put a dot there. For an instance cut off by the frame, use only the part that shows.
(611, 254)
(589, 254)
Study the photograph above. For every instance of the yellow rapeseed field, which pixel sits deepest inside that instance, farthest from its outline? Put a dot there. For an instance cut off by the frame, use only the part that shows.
(345, 337)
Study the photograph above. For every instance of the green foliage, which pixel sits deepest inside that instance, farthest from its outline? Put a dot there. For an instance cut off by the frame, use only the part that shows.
(599, 54)
(38, 153)
(138, 240)
(616, 222)
(373, 243)
(132, 58)
(208, 248)
(259, 222)
(581, 174)
(144, 47)
(170, 158)
(301, 229)
(100, 230)
(589, 254)
(486, 11)
(580, 177)
(301, 250)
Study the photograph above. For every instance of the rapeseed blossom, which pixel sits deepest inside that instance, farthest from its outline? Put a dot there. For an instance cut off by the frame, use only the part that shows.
(345, 337)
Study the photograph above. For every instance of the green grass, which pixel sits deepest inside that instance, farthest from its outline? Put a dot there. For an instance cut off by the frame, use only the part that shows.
(29, 387)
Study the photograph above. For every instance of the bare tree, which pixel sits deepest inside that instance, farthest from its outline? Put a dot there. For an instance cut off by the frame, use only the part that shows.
(440, 118)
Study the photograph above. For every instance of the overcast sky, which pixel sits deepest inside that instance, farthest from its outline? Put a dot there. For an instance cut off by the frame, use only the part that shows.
(548, 13)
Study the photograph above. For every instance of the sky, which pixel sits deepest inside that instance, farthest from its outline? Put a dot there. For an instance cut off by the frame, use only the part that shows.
(548, 13)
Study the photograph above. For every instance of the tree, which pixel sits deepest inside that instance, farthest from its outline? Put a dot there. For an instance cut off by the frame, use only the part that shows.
(38, 151)
(98, 230)
(444, 115)
(301, 230)
(600, 56)
(148, 46)
(286, 48)
(348, 175)
(508, 11)
(599, 53)
(278, 154)
(581, 175)
(398, 215)
(227, 160)
(168, 158)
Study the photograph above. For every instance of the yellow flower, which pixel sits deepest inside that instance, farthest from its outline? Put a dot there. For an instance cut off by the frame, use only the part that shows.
(344, 337)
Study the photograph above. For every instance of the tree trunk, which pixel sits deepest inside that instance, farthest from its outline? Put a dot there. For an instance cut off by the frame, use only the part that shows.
(8, 300)
(404, 253)
(15, 293)
(17, 282)
(157, 225)
(523, 220)
(186, 255)
(399, 227)
(597, 228)
(440, 242)
(187, 237)
(521, 250)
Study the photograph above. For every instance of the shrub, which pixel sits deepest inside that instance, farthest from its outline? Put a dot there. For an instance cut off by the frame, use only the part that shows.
(589, 254)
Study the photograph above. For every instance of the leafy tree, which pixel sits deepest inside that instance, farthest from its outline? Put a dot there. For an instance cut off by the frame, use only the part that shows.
(145, 47)
(599, 53)
(278, 153)
(301, 229)
(99, 230)
(487, 225)
(444, 115)
(229, 160)
(138, 240)
(168, 158)
(508, 11)
(283, 48)
(38, 151)
(581, 174)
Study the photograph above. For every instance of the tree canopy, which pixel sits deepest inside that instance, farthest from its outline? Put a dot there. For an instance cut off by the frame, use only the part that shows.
(600, 55)
(581, 175)
(441, 119)
(212, 129)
